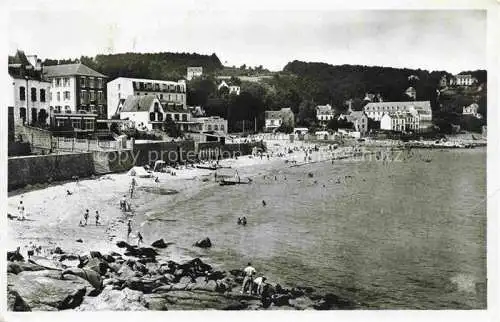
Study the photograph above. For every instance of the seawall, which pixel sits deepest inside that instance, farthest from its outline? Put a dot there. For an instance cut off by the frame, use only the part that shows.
(46, 168)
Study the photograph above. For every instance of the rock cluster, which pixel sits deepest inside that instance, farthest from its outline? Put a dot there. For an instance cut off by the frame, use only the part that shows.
(136, 280)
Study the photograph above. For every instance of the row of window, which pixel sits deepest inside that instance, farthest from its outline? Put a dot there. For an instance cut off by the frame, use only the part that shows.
(67, 108)
(22, 94)
(385, 108)
(86, 124)
(60, 81)
(85, 96)
(142, 86)
(170, 98)
(91, 82)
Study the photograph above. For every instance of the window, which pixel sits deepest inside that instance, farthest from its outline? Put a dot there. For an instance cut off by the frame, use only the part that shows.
(83, 96)
(119, 85)
(99, 83)
(58, 82)
(67, 95)
(33, 94)
(92, 109)
(216, 128)
(22, 93)
(76, 124)
(67, 109)
(161, 96)
(66, 81)
(58, 96)
(91, 82)
(176, 117)
(222, 127)
(42, 95)
(100, 96)
(184, 117)
(209, 127)
(152, 116)
(157, 87)
(92, 95)
(83, 82)
(89, 124)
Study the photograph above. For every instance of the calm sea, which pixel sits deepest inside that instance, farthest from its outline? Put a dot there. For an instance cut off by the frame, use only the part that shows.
(407, 234)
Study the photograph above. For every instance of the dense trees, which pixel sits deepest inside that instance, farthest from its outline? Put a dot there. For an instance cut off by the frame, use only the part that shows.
(167, 66)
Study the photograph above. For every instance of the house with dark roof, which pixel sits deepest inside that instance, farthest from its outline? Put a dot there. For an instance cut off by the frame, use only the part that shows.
(28, 98)
(274, 119)
(77, 89)
(423, 109)
(147, 112)
(169, 92)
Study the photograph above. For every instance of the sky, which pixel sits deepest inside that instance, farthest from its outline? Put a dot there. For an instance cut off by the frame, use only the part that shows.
(451, 40)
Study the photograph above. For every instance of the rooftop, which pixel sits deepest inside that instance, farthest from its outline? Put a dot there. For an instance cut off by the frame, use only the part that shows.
(70, 70)
(138, 103)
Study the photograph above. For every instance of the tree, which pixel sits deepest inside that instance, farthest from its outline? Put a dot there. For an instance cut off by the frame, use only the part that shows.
(171, 128)
(243, 67)
(284, 128)
(307, 113)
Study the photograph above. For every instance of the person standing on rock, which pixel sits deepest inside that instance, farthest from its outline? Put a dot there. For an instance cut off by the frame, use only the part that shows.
(86, 216)
(249, 272)
(96, 217)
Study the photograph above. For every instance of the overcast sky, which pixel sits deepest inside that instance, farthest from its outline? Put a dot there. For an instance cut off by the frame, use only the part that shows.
(452, 40)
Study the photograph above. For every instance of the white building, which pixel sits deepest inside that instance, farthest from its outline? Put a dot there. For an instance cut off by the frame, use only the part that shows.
(400, 121)
(208, 124)
(28, 100)
(274, 119)
(169, 92)
(463, 80)
(147, 113)
(423, 109)
(359, 120)
(193, 72)
(471, 110)
(324, 113)
(233, 89)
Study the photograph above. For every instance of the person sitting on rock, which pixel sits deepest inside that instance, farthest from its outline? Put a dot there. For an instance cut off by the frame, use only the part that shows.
(249, 272)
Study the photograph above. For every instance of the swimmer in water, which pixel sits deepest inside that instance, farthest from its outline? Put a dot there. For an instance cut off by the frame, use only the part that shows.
(263, 203)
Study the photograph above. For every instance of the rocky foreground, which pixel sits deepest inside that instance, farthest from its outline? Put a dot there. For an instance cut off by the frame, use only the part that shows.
(136, 280)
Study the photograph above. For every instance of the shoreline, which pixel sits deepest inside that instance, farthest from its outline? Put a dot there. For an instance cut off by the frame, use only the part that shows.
(53, 216)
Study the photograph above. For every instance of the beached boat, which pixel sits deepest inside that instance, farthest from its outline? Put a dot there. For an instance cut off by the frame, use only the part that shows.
(225, 182)
(208, 167)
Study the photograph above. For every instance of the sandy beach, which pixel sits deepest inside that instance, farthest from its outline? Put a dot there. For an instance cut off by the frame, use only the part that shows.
(53, 216)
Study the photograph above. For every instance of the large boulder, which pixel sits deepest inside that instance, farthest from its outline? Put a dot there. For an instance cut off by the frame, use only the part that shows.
(204, 243)
(15, 256)
(160, 243)
(98, 265)
(16, 303)
(146, 252)
(122, 244)
(331, 301)
(143, 285)
(49, 290)
(18, 267)
(115, 300)
(89, 275)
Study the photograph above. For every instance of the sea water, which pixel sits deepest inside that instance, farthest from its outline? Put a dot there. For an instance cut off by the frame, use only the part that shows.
(408, 233)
